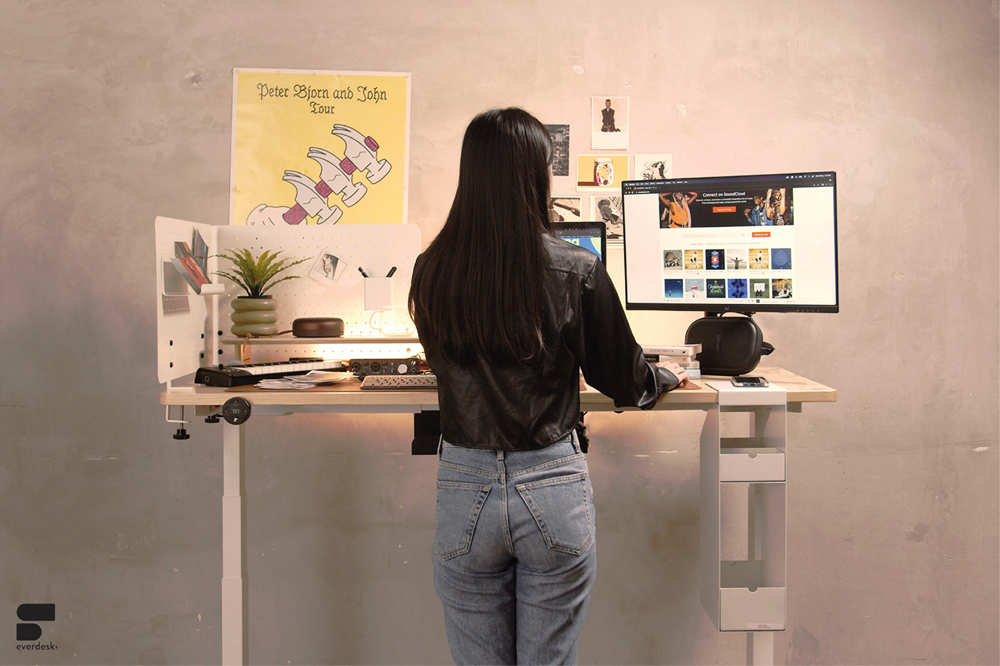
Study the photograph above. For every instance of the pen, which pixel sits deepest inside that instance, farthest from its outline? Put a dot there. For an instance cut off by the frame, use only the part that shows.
(391, 271)
(362, 271)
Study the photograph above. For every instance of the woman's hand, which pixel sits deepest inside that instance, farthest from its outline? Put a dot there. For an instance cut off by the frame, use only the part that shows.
(678, 371)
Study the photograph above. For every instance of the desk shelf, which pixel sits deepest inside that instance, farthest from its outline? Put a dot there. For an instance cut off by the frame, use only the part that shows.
(744, 595)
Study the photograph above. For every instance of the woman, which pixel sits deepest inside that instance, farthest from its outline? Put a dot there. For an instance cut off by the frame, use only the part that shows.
(508, 315)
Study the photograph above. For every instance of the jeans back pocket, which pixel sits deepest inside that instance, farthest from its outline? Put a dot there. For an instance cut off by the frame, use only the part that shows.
(456, 514)
(563, 510)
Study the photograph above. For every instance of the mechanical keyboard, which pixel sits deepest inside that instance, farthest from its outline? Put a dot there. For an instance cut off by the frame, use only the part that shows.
(400, 382)
(241, 375)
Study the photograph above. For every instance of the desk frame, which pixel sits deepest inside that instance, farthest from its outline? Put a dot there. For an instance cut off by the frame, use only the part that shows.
(208, 401)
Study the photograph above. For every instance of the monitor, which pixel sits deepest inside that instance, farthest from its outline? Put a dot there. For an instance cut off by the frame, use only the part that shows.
(746, 244)
(591, 235)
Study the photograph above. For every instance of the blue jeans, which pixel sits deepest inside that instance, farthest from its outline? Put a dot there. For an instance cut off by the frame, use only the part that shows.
(514, 552)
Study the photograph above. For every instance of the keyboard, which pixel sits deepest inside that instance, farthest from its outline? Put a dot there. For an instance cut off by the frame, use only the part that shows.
(422, 382)
(241, 375)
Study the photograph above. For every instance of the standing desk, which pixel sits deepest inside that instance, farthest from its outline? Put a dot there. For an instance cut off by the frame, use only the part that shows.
(744, 596)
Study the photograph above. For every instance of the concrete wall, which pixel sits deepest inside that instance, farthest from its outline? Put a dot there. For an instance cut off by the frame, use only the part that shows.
(112, 113)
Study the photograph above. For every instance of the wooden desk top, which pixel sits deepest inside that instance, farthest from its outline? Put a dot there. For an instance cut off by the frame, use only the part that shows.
(347, 394)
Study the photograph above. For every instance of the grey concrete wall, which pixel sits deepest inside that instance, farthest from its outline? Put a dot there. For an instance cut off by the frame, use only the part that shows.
(112, 113)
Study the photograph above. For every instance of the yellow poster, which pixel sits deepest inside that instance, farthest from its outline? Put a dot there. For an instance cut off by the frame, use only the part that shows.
(315, 147)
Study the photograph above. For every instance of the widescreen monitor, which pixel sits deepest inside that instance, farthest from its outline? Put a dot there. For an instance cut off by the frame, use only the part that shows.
(591, 235)
(748, 244)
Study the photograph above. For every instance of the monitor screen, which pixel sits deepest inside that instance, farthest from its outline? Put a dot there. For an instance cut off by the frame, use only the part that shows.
(591, 235)
(734, 243)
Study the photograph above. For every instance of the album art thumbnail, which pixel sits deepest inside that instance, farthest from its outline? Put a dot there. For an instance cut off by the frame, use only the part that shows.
(781, 288)
(781, 258)
(738, 288)
(675, 209)
(608, 209)
(715, 260)
(694, 288)
(716, 288)
(673, 288)
(565, 209)
(760, 288)
(672, 259)
(759, 258)
(560, 149)
(737, 259)
(694, 260)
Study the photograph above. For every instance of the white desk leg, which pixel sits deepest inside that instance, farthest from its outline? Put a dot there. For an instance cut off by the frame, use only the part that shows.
(235, 620)
(760, 648)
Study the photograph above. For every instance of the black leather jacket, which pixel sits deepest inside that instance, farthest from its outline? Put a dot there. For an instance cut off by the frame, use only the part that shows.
(532, 405)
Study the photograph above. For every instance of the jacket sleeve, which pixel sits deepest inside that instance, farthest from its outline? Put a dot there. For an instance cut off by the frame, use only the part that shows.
(612, 361)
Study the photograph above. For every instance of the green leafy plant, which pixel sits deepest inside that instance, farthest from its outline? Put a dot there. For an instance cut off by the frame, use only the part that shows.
(258, 275)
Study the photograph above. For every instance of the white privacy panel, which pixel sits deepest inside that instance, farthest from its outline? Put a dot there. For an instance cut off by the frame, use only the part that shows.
(183, 326)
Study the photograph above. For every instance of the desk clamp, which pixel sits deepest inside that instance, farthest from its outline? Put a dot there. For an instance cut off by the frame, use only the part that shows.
(181, 432)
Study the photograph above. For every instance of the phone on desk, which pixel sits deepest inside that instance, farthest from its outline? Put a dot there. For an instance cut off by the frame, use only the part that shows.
(747, 381)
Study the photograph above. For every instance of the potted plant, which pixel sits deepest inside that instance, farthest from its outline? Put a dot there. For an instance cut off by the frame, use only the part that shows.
(254, 313)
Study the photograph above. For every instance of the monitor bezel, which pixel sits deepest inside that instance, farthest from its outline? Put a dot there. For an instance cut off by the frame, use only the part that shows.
(721, 308)
(589, 227)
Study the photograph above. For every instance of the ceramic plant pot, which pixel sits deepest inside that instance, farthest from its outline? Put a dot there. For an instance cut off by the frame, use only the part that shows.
(254, 316)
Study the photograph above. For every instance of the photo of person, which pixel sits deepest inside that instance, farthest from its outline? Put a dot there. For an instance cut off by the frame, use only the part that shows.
(736, 259)
(759, 258)
(675, 209)
(326, 269)
(781, 288)
(672, 260)
(694, 260)
(609, 123)
(760, 288)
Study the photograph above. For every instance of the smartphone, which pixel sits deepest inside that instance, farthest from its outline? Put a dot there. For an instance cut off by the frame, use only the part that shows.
(746, 381)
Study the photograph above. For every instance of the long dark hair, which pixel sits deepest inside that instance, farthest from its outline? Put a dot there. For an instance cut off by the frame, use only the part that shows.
(477, 290)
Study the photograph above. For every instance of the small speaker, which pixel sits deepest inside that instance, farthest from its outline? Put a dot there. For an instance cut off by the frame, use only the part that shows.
(362, 367)
(729, 345)
(318, 327)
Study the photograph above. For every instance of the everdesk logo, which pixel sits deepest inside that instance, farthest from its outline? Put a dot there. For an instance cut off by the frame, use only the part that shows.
(27, 630)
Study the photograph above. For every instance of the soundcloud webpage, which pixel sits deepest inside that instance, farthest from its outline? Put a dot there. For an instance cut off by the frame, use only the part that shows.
(730, 247)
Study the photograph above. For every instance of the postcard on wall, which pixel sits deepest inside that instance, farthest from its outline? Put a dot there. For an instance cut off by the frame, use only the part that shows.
(560, 149)
(566, 209)
(319, 147)
(607, 208)
(609, 126)
(655, 166)
(601, 172)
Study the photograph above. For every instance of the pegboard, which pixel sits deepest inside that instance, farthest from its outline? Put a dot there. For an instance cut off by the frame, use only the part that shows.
(376, 249)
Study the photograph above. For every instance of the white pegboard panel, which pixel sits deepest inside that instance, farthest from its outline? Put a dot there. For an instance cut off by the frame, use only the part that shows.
(376, 248)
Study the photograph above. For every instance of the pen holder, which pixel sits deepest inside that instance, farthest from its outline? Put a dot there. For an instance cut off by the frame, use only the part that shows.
(378, 293)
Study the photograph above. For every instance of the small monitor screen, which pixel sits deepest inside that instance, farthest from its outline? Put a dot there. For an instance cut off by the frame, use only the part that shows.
(735, 243)
(591, 235)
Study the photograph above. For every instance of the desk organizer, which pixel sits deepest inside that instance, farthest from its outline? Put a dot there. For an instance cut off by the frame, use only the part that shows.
(745, 595)
(193, 328)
